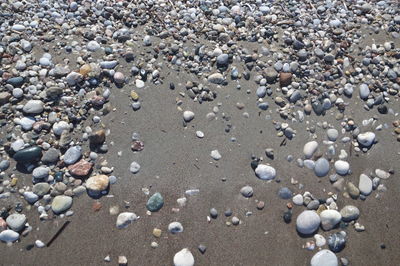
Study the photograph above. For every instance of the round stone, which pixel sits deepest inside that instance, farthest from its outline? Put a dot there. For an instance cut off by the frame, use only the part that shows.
(366, 139)
(310, 148)
(188, 116)
(298, 200)
(61, 204)
(321, 167)
(329, 219)
(175, 227)
(134, 168)
(125, 218)
(342, 167)
(41, 172)
(215, 155)
(285, 193)
(246, 191)
(155, 202)
(332, 134)
(119, 78)
(16, 221)
(349, 213)
(364, 91)
(184, 258)
(72, 155)
(51, 156)
(9, 236)
(33, 107)
(307, 222)
(324, 257)
(41, 189)
(59, 127)
(265, 172)
(97, 183)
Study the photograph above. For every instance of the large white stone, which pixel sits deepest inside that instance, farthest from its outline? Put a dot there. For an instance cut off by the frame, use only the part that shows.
(324, 257)
(329, 219)
(310, 148)
(342, 167)
(125, 218)
(265, 172)
(365, 185)
(184, 258)
(307, 222)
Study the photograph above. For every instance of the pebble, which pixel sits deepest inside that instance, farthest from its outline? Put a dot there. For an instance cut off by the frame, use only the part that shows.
(382, 174)
(183, 258)
(265, 172)
(310, 148)
(134, 168)
(329, 219)
(39, 244)
(61, 204)
(366, 139)
(199, 134)
(155, 202)
(246, 191)
(324, 257)
(307, 222)
(285, 193)
(332, 134)
(342, 167)
(30, 197)
(30, 154)
(188, 116)
(349, 213)
(365, 185)
(41, 172)
(16, 221)
(72, 155)
(215, 155)
(320, 240)
(175, 227)
(298, 200)
(96, 184)
(125, 218)
(337, 242)
(321, 167)
(9, 236)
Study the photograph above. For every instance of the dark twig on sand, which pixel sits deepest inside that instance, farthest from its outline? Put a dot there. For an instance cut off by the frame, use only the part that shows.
(58, 233)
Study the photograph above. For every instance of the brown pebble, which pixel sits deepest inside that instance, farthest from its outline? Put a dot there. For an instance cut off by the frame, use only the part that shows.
(96, 206)
(289, 205)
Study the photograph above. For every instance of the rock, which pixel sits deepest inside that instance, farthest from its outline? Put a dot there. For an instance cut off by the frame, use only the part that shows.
(215, 155)
(188, 116)
(337, 242)
(202, 248)
(9, 236)
(329, 219)
(332, 134)
(30, 154)
(51, 156)
(60, 127)
(270, 74)
(72, 155)
(342, 167)
(96, 184)
(216, 78)
(93, 46)
(39, 244)
(108, 64)
(175, 227)
(155, 202)
(324, 257)
(122, 261)
(16, 221)
(353, 191)
(81, 168)
(285, 79)
(298, 200)
(199, 134)
(33, 107)
(125, 218)
(364, 91)
(73, 78)
(285, 193)
(319, 240)
(246, 191)
(349, 213)
(41, 172)
(213, 213)
(98, 137)
(41, 189)
(321, 167)
(16, 82)
(307, 222)
(30, 197)
(310, 148)
(382, 174)
(366, 139)
(184, 258)
(223, 60)
(4, 97)
(134, 168)
(4, 165)
(61, 204)
(365, 185)
(119, 78)
(265, 172)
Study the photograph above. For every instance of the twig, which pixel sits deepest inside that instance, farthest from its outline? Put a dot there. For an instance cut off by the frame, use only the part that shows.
(58, 233)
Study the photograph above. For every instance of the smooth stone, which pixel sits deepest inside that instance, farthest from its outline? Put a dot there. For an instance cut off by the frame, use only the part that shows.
(9, 236)
(246, 191)
(324, 257)
(366, 139)
(321, 167)
(332, 134)
(265, 172)
(51, 156)
(30, 154)
(39, 244)
(134, 168)
(175, 227)
(41, 189)
(215, 155)
(73, 78)
(349, 213)
(72, 155)
(382, 174)
(261, 92)
(61, 203)
(364, 91)
(155, 202)
(329, 219)
(30, 197)
(184, 258)
(365, 185)
(33, 107)
(310, 148)
(199, 134)
(285, 193)
(27, 123)
(310, 164)
(342, 167)
(313, 205)
(93, 46)
(108, 64)
(4, 165)
(353, 191)
(16, 221)
(96, 184)
(298, 200)
(319, 240)
(307, 222)
(337, 242)
(216, 78)
(16, 82)
(60, 127)
(188, 116)
(125, 218)
(41, 172)
(223, 60)
(213, 213)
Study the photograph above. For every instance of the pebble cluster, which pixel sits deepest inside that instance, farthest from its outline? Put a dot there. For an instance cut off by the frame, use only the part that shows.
(60, 66)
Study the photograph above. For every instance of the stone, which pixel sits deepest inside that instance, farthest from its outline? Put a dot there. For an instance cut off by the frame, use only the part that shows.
(73, 78)
(332, 134)
(321, 167)
(157, 232)
(246, 191)
(270, 74)
(119, 78)
(265, 172)
(285, 79)
(33, 107)
(329, 219)
(93, 46)
(382, 174)
(215, 155)
(122, 261)
(4, 97)
(155, 202)
(175, 227)
(81, 168)
(60, 127)
(98, 137)
(319, 240)
(353, 191)
(324, 257)
(134, 168)
(16, 82)
(298, 200)
(188, 116)
(199, 134)
(365, 185)
(30, 154)
(184, 258)
(39, 244)
(30, 197)
(349, 213)
(51, 156)
(285, 193)
(307, 222)
(213, 213)
(364, 91)
(9, 236)
(125, 218)
(72, 155)
(41, 189)
(16, 221)
(61, 204)
(216, 78)
(96, 184)
(310, 148)
(337, 242)
(342, 167)
(366, 139)
(41, 172)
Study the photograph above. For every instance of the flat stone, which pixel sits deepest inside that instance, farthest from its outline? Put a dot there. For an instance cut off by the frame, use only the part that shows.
(321, 167)
(155, 202)
(51, 156)
(9, 236)
(310, 148)
(365, 185)
(72, 155)
(30, 154)
(125, 218)
(246, 191)
(188, 116)
(329, 219)
(61, 204)
(382, 174)
(41, 189)
(16, 221)
(216, 78)
(349, 213)
(342, 167)
(324, 257)
(265, 172)
(81, 168)
(184, 258)
(307, 222)
(30, 197)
